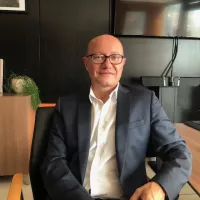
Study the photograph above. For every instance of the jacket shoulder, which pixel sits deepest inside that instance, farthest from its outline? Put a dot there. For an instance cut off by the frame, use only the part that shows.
(137, 90)
(68, 102)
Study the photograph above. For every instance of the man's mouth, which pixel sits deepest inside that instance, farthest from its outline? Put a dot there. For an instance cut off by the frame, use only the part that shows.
(106, 73)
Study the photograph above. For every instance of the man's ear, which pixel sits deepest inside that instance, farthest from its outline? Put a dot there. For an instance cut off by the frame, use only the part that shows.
(85, 62)
(124, 61)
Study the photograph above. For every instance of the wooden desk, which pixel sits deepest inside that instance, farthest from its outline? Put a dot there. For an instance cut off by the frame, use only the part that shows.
(192, 139)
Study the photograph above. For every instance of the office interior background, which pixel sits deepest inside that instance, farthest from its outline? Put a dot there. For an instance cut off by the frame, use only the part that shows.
(48, 41)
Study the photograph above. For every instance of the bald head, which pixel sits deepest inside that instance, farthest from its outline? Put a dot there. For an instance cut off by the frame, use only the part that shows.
(103, 43)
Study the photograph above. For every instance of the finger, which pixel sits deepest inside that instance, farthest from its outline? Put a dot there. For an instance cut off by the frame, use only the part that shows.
(144, 196)
(137, 194)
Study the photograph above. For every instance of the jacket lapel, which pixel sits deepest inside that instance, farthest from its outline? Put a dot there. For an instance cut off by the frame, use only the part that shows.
(121, 127)
(84, 132)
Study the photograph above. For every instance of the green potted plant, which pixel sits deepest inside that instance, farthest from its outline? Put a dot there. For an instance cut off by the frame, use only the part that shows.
(23, 84)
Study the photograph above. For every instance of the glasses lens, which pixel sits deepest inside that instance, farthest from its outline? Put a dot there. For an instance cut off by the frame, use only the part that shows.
(116, 58)
(98, 58)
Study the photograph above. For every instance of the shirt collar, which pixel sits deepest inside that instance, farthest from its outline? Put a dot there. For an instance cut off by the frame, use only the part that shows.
(112, 96)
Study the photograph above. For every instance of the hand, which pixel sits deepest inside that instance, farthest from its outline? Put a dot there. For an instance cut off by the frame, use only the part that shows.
(149, 191)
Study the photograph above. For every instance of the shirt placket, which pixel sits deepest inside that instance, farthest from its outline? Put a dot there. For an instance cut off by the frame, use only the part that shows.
(96, 160)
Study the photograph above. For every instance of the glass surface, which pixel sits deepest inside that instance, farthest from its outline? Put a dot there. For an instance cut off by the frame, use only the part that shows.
(168, 18)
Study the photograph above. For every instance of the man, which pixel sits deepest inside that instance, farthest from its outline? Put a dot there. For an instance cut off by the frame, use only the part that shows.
(99, 140)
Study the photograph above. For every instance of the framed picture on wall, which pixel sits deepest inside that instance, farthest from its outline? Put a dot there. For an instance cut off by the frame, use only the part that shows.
(13, 5)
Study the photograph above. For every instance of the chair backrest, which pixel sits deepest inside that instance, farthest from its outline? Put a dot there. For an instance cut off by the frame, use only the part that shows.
(38, 150)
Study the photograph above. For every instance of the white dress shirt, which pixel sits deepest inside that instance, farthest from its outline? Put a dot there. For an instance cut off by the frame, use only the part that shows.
(101, 176)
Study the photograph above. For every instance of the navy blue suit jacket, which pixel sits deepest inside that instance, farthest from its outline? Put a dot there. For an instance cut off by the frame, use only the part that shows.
(140, 120)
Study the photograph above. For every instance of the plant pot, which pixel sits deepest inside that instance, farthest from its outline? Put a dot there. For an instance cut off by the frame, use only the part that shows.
(17, 85)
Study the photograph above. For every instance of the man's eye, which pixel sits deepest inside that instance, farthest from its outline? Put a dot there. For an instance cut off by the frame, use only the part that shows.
(115, 57)
(98, 57)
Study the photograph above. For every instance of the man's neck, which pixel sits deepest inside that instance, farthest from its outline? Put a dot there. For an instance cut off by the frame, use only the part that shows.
(103, 93)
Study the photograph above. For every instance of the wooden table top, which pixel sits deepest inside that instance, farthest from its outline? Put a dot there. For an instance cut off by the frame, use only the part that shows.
(192, 139)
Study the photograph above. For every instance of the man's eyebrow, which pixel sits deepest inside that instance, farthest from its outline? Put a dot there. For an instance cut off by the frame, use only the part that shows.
(95, 53)
(115, 52)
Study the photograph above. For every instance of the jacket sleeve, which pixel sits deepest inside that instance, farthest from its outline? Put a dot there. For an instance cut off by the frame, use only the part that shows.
(170, 147)
(59, 181)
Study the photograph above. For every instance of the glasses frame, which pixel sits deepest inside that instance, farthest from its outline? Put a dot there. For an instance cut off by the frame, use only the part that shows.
(91, 55)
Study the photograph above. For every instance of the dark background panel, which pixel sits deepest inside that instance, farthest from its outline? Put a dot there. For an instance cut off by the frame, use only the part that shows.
(66, 28)
(150, 56)
(19, 41)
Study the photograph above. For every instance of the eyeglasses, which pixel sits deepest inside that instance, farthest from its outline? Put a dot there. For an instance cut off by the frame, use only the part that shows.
(100, 58)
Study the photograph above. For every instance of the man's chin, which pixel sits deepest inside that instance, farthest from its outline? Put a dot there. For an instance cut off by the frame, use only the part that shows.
(106, 84)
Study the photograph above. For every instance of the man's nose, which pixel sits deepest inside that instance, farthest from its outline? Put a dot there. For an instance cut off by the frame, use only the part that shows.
(107, 62)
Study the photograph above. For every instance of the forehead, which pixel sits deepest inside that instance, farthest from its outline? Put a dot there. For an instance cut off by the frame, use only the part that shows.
(105, 46)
